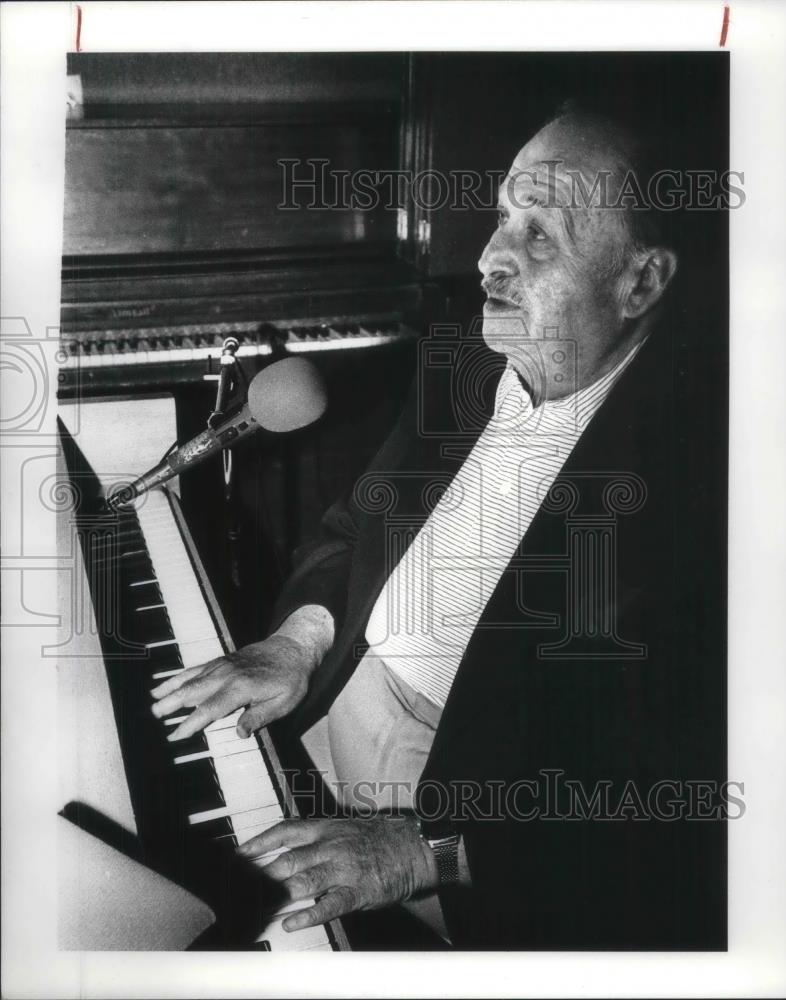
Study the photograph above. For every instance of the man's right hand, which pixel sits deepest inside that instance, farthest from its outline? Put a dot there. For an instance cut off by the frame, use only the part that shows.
(269, 678)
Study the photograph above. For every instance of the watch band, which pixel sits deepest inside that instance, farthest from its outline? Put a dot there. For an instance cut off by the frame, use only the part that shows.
(445, 851)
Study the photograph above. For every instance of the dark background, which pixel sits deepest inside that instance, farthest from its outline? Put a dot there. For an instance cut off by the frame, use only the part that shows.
(173, 163)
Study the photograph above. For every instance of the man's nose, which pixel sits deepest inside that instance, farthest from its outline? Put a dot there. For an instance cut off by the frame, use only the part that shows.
(495, 259)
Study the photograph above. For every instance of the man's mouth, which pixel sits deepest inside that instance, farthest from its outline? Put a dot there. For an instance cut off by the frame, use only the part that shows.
(494, 304)
(499, 295)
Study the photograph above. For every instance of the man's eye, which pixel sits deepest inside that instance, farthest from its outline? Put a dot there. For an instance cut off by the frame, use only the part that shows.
(501, 217)
(535, 233)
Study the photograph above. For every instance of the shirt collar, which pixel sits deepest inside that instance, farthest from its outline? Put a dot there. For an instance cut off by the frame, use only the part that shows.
(579, 406)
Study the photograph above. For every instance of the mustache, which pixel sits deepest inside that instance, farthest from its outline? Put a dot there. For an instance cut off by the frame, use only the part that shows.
(501, 288)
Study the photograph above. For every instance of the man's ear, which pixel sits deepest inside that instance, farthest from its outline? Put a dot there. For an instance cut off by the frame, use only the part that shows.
(652, 273)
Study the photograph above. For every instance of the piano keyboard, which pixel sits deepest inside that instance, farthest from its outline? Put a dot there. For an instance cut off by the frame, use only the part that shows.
(178, 344)
(229, 786)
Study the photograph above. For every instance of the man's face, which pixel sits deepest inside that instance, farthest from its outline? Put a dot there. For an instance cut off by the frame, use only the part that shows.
(551, 271)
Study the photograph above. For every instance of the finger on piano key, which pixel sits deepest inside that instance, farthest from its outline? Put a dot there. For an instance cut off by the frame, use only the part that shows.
(288, 833)
(174, 683)
(230, 748)
(161, 675)
(193, 691)
(217, 734)
(269, 857)
(213, 709)
(228, 722)
(174, 720)
(307, 939)
(227, 749)
(190, 750)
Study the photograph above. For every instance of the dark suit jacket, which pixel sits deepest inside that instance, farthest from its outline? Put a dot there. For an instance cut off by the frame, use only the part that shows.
(641, 700)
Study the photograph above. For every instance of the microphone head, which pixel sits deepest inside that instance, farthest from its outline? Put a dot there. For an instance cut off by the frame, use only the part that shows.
(287, 395)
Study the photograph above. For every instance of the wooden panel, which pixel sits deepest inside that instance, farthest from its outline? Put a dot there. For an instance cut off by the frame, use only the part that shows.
(115, 79)
(179, 189)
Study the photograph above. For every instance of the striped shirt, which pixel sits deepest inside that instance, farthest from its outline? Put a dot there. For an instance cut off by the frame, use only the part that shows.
(432, 601)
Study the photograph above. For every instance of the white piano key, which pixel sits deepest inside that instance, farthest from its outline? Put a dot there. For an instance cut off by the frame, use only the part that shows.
(260, 819)
(238, 797)
(215, 737)
(199, 652)
(228, 722)
(180, 591)
(233, 748)
(240, 768)
(240, 792)
(234, 777)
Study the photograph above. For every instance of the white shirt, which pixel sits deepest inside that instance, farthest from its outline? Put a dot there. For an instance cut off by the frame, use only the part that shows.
(427, 611)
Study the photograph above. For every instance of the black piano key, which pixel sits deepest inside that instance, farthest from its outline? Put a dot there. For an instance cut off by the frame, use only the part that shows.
(197, 786)
(163, 659)
(215, 830)
(192, 744)
(150, 620)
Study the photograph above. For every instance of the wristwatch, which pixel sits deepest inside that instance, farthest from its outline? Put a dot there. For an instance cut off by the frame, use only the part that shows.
(443, 841)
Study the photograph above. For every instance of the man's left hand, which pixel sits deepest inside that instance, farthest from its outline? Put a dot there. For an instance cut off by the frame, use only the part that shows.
(346, 864)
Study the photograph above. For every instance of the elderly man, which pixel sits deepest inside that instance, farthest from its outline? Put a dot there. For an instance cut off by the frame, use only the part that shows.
(494, 699)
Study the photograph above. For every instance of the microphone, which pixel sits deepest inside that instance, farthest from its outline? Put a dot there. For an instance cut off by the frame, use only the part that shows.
(285, 396)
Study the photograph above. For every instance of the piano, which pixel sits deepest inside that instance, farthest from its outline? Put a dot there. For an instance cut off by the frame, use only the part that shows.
(174, 240)
(193, 801)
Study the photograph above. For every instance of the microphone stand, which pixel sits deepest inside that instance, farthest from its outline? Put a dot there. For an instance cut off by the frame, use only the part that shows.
(227, 379)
